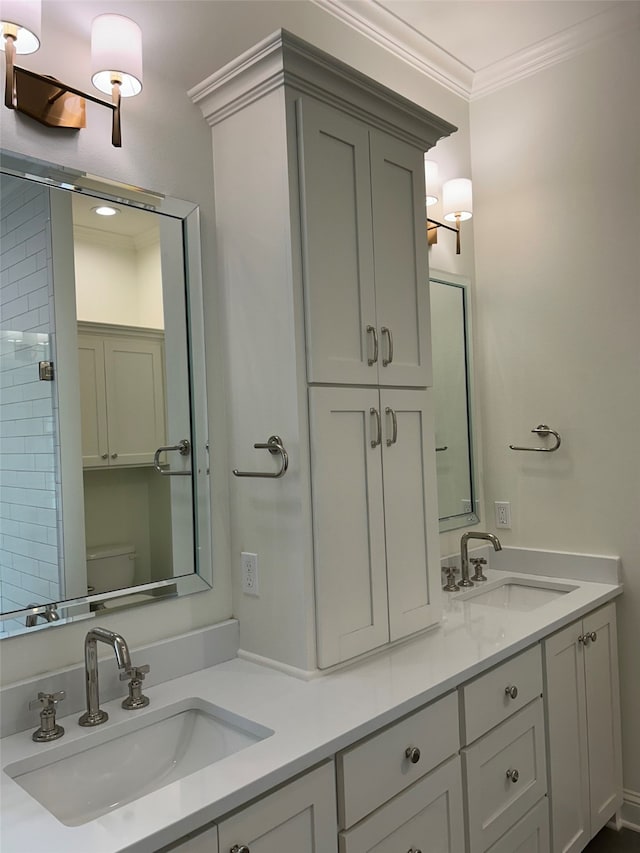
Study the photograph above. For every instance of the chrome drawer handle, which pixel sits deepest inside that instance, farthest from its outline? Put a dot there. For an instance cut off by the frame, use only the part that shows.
(511, 690)
(413, 754)
(386, 331)
(513, 775)
(371, 330)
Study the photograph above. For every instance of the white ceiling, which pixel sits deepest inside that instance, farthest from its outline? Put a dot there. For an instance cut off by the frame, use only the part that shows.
(470, 46)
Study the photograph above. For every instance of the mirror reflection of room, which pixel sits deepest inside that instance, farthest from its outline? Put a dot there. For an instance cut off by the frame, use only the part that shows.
(119, 307)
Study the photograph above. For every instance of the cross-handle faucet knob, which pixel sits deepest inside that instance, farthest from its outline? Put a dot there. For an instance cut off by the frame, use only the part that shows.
(136, 699)
(478, 563)
(450, 585)
(49, 729)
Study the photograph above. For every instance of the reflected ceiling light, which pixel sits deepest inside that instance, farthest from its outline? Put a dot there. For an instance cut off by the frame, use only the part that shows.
(116, 65)
(105, 210)
(457, 205)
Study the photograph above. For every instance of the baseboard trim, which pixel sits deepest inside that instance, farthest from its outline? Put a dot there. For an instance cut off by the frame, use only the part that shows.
(630, 812)
(287, 669)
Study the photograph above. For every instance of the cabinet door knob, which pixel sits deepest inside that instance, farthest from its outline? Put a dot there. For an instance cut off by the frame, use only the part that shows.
(371, 330)
(513, 775)
(593, 636)
(240, 848)
(584, 639)
(511, 690)
(414, 850)
(385, 330)
(413, 754)
(104, 456)
(114, 455)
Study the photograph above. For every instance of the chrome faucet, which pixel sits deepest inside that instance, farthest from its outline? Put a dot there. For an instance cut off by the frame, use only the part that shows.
(464, 554)
(49, 614)
(93, 716)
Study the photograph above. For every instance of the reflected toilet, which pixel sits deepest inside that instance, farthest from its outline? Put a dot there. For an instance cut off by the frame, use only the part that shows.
(110, 567)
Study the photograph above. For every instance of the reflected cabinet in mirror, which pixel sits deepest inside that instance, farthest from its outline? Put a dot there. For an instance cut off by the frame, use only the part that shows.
(104, 491)
(450, 330)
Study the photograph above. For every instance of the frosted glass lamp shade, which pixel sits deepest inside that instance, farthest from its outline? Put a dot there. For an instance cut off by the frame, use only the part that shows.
(21, 18)
(431, 180)
(457, 201)
(116, 54)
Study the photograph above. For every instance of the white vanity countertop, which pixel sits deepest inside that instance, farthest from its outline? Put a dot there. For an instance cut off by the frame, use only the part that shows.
(311, 720)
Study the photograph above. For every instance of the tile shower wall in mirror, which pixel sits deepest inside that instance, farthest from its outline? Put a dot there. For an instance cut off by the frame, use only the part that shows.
(31, 561)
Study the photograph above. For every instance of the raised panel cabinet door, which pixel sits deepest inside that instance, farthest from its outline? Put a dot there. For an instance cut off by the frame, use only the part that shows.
(566, 718)
(297, 818)
(410, 511)
(400, 259)
(135, 399)
(93, 402)
(348, 522)
(428, 816)
(603, 715)
(528, 835)
(337, 246)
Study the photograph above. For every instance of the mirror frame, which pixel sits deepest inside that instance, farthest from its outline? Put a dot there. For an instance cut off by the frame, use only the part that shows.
(84, 607)
(464, 519)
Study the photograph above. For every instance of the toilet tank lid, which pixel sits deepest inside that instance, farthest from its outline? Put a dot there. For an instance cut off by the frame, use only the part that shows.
(101, 552)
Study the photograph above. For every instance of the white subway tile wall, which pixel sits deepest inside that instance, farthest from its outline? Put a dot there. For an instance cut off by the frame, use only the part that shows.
(30, 504)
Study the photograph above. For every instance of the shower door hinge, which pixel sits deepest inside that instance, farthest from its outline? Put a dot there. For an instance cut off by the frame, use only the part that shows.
(47, 372)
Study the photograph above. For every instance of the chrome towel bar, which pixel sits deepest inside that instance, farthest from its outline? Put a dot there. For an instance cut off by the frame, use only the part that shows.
(543, 430)
(273, 445)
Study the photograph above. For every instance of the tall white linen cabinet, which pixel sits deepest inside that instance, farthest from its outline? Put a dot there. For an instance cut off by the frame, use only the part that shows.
(322, 266)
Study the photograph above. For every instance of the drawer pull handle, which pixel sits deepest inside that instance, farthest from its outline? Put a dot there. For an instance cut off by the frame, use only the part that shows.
(513, 775)
(511, 691)
(240, 848)
(413, 754)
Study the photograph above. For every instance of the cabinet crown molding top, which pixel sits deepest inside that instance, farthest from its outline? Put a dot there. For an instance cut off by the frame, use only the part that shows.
(284, 59)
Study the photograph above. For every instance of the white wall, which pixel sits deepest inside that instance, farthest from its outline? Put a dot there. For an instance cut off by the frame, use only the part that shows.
(556, 168)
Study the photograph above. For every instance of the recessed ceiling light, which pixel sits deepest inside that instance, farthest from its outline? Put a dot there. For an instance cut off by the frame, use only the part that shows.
(105, 210)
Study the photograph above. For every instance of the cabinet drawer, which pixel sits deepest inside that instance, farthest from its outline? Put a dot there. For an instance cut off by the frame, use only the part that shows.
(529, 835)
(373, 771)
(496, 796)
(427, 816)
(485, 702)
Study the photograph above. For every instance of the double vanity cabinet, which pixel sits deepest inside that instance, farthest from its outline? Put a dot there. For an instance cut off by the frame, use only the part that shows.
(497, 765)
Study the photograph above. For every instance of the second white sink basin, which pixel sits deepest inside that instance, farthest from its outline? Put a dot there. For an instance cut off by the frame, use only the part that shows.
(89, 777)
(514, 593)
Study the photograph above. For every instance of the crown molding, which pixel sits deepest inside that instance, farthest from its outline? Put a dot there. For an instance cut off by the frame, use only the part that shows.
(563, 45)
(381, 26)
(388, 31)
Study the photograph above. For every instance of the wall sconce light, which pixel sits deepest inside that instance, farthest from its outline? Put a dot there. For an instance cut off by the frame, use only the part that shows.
(116, 64)
(457, 202)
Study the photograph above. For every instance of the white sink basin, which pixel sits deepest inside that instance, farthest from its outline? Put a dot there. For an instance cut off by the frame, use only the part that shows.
(514, 593)
(93, 775)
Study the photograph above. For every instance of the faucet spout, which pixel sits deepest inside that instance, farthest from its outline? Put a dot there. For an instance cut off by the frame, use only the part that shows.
(93, 716)
(464, 553)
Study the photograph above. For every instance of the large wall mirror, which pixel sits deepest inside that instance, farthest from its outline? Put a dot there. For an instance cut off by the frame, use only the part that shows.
(450, 330)
(104, 480)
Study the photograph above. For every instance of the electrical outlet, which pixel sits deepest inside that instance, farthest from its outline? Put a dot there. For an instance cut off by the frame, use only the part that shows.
(503, 513)
(249, 567)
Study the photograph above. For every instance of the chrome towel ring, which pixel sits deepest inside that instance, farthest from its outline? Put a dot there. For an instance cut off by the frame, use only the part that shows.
(542, 430)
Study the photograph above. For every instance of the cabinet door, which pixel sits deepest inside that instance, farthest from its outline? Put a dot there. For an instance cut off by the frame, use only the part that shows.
(300, 818)
(564, 691)
(348, 522)
(337, 246)
(410, 511)
(427, 816)
(93, 402)
(400, 262)
(528, 835)
(603, 715)
(135, 399)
